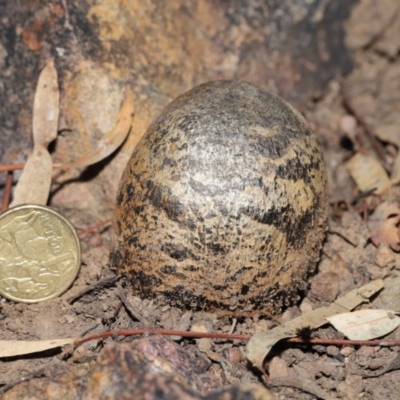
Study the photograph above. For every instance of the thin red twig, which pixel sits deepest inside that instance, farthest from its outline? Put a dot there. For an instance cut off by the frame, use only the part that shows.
(11, 167)
(228, 336)
(166, 332)
(7, 191)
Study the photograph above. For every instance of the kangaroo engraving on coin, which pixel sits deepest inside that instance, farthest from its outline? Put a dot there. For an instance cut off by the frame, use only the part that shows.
(39, 254)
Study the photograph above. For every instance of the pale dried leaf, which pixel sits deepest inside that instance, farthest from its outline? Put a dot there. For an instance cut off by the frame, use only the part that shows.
(365, 324)
(367, 172)
(12, 348)
(383, 225)
(389, 132)
(260, 344)
(46, 106)
(34, 184)
(114, 138)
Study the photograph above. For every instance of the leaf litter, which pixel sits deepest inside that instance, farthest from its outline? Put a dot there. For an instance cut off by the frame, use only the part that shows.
(261, 343)
(34, 183)
(365, 324)
(112, 140)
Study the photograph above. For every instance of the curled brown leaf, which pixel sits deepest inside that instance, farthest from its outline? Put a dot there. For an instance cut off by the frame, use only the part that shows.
(113, 139)
(383, 225)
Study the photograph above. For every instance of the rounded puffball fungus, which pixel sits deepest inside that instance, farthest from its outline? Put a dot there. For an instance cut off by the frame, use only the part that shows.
(223, 204)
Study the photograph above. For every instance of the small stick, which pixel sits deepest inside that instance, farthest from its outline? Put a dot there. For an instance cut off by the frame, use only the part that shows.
(217, 335)
(11, 167)
(37, 374)
(90, 328)
(98, 285)
(129, 307)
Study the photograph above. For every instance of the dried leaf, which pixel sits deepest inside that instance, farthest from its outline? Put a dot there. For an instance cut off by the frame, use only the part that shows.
(389, 132)
(383, 225)
(34, 184)
(46, 106)
(260, 344)
(12, 348)
(365, 324)
(114, 138)
(367, 172)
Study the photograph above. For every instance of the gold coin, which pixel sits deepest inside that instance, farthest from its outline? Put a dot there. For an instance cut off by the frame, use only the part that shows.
(40, 253)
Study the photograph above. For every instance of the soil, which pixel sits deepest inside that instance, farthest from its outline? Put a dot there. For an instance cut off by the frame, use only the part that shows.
(368, 96)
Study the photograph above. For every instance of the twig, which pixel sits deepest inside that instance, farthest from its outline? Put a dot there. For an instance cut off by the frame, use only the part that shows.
(137, 332)
(228, 336)
(90, 328)
(11, 167)
(129, 307)
(96, 286)
(37, 374)
(392, 366)
(235, 336)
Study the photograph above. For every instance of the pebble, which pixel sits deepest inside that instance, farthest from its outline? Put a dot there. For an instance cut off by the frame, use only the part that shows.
(278, 368)
(325, 286)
